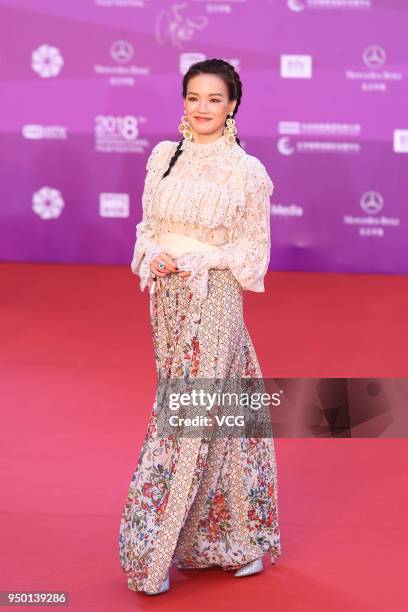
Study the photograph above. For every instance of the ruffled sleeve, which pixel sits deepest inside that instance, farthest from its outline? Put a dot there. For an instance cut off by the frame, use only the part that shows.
(146, 248)
(247, 255)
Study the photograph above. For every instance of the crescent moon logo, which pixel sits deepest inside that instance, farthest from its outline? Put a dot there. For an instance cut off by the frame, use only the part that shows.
(284, 146)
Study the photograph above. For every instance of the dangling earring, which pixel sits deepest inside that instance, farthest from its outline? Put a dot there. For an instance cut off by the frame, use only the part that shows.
(230, 130)
(185, 128)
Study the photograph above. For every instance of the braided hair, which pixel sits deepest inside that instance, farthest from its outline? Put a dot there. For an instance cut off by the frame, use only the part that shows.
(228, 74)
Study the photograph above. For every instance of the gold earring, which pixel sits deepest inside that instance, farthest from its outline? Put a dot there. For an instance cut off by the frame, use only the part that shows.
(185, 128)
(230, 130)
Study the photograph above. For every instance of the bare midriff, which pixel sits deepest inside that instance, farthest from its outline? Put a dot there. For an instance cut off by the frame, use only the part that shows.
(177, 244)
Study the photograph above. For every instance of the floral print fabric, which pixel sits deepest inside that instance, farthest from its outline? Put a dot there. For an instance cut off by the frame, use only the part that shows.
(196, 502)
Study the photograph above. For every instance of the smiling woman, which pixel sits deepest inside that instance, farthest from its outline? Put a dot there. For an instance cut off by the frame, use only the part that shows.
(206, 103)
(203, 239)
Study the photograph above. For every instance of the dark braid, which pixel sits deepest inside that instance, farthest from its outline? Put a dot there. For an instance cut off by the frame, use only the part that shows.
(175, 157)
(228, 74)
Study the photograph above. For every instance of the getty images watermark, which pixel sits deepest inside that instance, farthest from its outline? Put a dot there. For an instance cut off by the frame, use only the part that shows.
(281, 407)
(208, 408)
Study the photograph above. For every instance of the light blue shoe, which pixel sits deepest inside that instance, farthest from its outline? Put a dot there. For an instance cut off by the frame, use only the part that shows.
(254, 567)
(164, 587)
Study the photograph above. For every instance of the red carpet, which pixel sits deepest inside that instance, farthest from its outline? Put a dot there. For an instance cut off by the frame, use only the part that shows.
(77, 384)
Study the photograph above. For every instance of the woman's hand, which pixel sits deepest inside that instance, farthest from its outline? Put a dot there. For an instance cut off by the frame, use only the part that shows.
(169, 265)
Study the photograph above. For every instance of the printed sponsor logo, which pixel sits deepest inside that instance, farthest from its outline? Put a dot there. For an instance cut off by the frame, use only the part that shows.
(114, 205)
(298, 6)
(373, 224)
(401, 141)
(375, 77)
(285, 146)
(323, 129)
(121, 71)
(291, 210)
(371, 202)
(33, 131)
(122, 51)
(296, 66)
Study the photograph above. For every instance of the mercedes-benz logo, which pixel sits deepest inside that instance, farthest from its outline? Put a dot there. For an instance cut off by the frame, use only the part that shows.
(374, 56)
(371, 202)
(122, 51)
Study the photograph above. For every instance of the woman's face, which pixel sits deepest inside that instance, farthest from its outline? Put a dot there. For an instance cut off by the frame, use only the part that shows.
(207, 97)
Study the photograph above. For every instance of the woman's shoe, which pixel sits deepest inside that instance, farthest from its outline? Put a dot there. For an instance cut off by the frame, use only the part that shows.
(164, 587)
(254, 567)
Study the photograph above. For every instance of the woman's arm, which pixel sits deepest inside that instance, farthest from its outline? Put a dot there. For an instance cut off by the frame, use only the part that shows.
(146, 248)
(248, 253)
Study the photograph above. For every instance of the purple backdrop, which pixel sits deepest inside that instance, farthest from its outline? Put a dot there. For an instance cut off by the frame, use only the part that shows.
(88, 87)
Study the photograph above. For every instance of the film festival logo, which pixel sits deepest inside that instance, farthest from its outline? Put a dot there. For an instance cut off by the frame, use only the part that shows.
(119, 134)
(48, 203)
(372, 203)
(47, 61)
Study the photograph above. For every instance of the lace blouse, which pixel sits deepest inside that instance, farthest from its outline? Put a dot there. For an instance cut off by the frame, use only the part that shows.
(216, 193)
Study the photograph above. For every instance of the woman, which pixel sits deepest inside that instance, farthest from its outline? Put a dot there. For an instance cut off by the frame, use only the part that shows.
(203, 239)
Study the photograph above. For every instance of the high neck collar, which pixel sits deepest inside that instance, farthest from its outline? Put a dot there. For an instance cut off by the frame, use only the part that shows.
(204, 149)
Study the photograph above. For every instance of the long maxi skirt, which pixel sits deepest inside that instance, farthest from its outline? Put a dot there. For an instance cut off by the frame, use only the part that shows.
(193, 502)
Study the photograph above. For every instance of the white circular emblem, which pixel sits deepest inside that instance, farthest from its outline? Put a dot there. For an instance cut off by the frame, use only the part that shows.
(48, 203)
(47, 61)
(296, 5)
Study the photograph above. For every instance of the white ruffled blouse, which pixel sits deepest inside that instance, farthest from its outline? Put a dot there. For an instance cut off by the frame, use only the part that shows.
(216, 193)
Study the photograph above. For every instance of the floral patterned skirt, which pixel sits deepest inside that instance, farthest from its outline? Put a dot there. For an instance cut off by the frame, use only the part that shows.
(192, 501)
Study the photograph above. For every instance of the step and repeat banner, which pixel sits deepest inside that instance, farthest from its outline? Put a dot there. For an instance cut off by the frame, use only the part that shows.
(88, 87)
